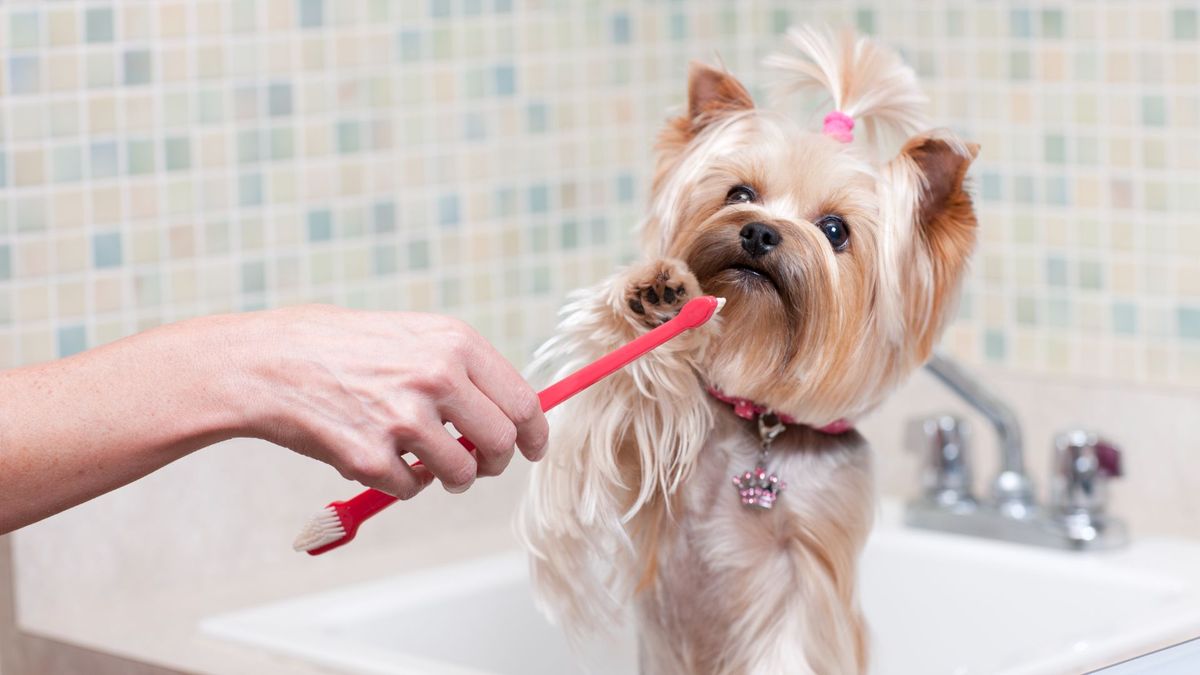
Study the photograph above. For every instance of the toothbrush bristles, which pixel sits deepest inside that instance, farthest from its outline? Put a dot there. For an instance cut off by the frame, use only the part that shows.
(720, 304)
(324, 528)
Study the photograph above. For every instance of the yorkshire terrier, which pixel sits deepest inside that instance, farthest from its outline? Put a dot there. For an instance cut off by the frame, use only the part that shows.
(717, 485)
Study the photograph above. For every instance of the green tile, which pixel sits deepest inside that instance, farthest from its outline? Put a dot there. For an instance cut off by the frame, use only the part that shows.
(994, 346)
(1184, 25)
(349, 135)
(98, 25)
(1058, 313)
(1189, 322)
(450, 292)
(254, 276)
(23, 30)
(140, 155)
(1154, 111)
(282, 144)
(178, 154)
(1091, 275)
(30, 215)
(418, 255)
(249, 144)
(864, 20)
(137, 67)
(1019, 65)
(1052, 23)
(67, 164)
(5, 262)
(1055, 148)
(1124, 318)
(1027, 310)
(250, 189)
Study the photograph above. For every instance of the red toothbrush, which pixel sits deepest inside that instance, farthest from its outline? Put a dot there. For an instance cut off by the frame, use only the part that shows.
(338, 522)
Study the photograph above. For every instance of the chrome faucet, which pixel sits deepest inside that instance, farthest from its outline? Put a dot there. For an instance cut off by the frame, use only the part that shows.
(1083, 463)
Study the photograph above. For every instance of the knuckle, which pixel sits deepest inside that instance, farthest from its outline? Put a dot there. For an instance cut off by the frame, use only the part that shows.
(368, 467)
(436, 378)
(527, 407)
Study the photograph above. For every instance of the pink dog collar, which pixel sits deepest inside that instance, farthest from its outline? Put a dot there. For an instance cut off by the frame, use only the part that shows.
(747, 409)
(839, 126)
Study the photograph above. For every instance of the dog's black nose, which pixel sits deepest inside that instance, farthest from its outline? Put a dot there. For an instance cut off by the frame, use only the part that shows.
(759, 238)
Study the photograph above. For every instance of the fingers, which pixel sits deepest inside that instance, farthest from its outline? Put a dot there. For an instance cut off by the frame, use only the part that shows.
(384, 470)
(507, 390)
(488, 428)
(444, 456)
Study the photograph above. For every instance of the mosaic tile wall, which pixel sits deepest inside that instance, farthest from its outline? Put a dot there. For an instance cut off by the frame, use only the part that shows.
(165, 159)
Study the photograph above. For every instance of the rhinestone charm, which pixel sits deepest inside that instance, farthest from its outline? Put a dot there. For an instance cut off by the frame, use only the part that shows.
(758, 489)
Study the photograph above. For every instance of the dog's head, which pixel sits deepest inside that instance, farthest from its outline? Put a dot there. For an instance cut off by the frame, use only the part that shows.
(839, 268)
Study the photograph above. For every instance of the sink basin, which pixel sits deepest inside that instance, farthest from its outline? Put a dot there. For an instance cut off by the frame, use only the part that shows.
(937, 604)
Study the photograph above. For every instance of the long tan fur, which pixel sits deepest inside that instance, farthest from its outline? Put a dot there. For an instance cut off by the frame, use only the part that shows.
(632, 506)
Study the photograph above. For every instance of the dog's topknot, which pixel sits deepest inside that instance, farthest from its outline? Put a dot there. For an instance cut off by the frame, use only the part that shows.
(866, 80)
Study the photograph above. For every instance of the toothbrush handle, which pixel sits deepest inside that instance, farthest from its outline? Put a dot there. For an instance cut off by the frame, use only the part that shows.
(696, 312)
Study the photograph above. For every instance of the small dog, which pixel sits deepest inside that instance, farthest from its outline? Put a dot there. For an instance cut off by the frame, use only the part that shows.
(840, 269)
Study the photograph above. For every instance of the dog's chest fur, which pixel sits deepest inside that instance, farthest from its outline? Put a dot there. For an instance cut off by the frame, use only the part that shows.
(729, 576)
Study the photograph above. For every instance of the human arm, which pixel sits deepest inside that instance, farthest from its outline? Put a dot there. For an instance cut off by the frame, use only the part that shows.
(353, 389)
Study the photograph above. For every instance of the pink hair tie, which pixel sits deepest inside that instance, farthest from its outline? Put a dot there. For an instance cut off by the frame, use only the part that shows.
(839, 126)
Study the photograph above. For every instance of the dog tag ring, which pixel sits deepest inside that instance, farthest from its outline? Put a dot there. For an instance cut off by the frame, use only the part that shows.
(758, 489)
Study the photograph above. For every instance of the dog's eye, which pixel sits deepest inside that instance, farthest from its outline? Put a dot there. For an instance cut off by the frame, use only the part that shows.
(741, 194)
(836, 231)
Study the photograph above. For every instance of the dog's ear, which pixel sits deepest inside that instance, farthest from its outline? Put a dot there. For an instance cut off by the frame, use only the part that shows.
(944, 216)
(713, 93)
(932, 167)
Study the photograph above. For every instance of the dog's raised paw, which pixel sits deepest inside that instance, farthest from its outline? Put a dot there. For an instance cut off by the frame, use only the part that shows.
(657, 292)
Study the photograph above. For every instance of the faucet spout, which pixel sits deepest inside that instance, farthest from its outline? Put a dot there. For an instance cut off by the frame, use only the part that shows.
(1012, 489)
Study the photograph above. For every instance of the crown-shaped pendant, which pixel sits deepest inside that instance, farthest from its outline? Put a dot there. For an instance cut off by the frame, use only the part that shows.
(758, 489)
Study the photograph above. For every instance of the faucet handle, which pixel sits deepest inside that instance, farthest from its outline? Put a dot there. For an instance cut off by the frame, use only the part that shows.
(1083, 464)
(946, 476)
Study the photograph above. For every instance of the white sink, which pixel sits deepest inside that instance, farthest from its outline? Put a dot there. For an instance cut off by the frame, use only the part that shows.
(937, 604)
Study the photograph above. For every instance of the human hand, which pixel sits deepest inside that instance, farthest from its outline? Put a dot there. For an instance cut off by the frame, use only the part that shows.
(357, 389)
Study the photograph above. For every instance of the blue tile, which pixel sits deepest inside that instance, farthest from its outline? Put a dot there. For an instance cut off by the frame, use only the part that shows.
(1056, 271)
(5, 262)
(539, 199)
(1023, 190)
(1020, 23)
(625, 188)
(279, 99)
(103, 159)
(503, 6)
(474, 126)
(538, 115)
(1124, 318)
(992, 186)
(1154, 111)
(24, 75)
(250, 189)
(99, 25)
(472, 7)
(254, 276)
(311, 13)
(384, 217)
(994, 345)
(1057, 192)
(320, 225)
(3, 170)
(383, 260)
(408, 45)
(1055, 147)
(541, 280)
(620, 28)
(67, 164)
(71, 340)
(440, 9)
(1189, 322)
(448, 210)
(137, 67)
(106, 250)
(505, 80)
(678, 26)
